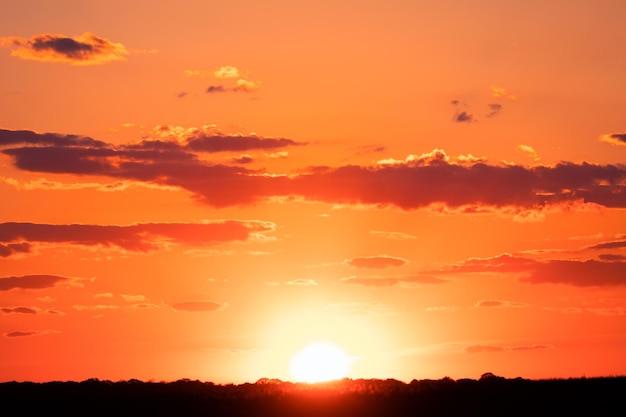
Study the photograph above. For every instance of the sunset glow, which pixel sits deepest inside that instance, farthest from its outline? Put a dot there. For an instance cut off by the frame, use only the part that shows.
(320, 361)
(201, 190)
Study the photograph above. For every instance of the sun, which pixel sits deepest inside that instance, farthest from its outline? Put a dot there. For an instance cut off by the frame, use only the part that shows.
(318, 362)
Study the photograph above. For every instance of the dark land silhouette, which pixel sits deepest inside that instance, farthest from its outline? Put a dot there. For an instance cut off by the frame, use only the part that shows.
(488, 396)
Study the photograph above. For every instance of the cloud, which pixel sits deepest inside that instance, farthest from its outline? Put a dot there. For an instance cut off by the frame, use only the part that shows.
(227, 71)
(618, 139)
(494, 109)
(499, 304)
(100, 307)
(14, 248)
(303, 282)
(27, 310)
(376, 262)
(483, 348)
(199, 306)
(616, 244)
(492, 348)
(444, 309)
(243, 159)
(403, 281)
(132, 298)
(612, 257)
(429, 180)
(140, 237)
(245, 86)
(215, 89)
(579, 273)
(29, 282)
(21, 310)
(27, 333)
(610, 311)
(528, 150)
(240, 86)
(86, 49)
(392, 235)
(499, 92)
(103, 295)
(463, 117)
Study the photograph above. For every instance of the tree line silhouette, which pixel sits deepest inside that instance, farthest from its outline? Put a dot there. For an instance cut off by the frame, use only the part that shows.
(490, 395)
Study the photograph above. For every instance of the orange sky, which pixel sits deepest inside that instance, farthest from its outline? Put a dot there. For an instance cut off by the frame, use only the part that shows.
(201, 189)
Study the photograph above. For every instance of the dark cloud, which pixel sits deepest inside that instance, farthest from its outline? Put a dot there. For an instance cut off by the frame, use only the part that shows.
(199, 306)
(617, 244)
(14, 137)
(410, 184)
(138, 237)
(376, 262)
(215, 89)
(463, 117)
(14, 248)
(30, 282)
(86, 49)
(579, 273)
(202, 143)
(612, 257)
(494, 109)
(571, 272)
(22, 310)
(19, 333)
(243, 159)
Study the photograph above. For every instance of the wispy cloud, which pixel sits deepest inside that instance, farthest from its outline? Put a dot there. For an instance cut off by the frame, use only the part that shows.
(303, 282)
(199, 306)
(27, 310)
(618, 139)
(392, 235)
(410, 281)
(85, 49)
(27, 333)
(382, 261)
(500, 304)
(498, 348)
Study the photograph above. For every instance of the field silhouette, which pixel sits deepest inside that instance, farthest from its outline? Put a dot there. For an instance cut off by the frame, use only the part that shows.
(488, 396)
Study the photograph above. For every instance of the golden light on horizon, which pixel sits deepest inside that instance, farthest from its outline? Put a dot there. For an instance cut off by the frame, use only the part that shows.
(319, 362)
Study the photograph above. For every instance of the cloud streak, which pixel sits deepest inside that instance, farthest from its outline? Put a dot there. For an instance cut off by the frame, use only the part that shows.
(377, 262)
(587, 273)
(142, 237)
(199, 306)
(30, 282)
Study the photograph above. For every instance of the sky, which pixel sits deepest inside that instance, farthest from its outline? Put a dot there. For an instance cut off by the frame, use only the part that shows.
(203, 189)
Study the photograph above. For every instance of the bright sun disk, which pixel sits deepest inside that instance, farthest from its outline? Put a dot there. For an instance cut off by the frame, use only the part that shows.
(320, 362)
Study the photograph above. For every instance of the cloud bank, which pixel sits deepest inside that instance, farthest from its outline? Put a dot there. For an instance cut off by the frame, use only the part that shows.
(413, 183)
